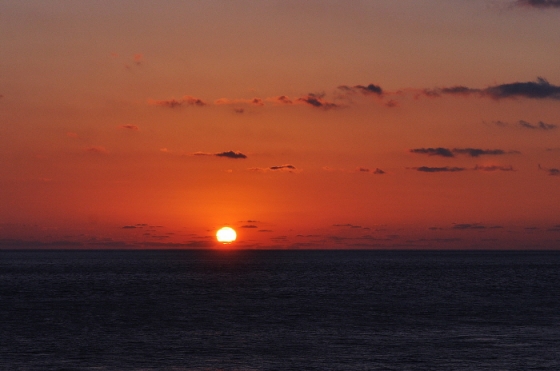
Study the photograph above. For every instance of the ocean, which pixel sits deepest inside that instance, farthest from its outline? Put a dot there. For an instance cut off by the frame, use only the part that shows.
(279, 310)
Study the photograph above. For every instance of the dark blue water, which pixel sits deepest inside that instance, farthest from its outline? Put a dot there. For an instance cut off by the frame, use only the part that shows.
(279, 310)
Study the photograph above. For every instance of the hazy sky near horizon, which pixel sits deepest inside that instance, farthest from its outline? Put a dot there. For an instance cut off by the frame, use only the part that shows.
(302, 124)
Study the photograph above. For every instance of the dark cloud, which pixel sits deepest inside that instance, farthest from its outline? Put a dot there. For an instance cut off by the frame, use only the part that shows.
(494, 168)
(540, 89)
(283, 167)
(286, 168)
(539, 3)
(238, 110)
(369, 89)
(551, 171)
(249, 226)
(427, 169)
(540, 125)
(378, 171)
(444, 152)
(129, 227)
(231, 154)
(316, 100)
(187, 100)
(473, 152)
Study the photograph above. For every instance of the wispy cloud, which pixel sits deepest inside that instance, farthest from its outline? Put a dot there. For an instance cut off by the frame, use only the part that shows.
(476, 152)
(539, 126)
(472, 152)
(539, 3)
(427, 169)
(227, 154)
(97, 150)
(439, 151)
(316, 100)
(364, 89)
(493, 168)
(129, 127)
(377, 171)
(226, 101)
(287, 168)
(187, 100)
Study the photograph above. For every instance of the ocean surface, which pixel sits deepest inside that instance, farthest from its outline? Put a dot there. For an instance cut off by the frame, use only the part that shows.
(279, 310)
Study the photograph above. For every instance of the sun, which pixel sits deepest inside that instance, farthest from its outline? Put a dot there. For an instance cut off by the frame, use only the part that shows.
(226, 235)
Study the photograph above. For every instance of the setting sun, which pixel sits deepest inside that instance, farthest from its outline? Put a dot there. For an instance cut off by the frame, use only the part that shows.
(226, 235)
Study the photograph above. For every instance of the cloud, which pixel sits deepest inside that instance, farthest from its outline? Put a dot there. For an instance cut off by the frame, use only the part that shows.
(138, 57)
(444, 152)
(281, 99)
(129, 127)
(539, 89)
(551, 171)
(187, 100)
(97, 149)
(226, 101)
(454, 90)
(539, 3)
(377, 171)
(231, 154)
(476, 152)
(468, 226)
(249, 226)
(316, 100)
(472, 152)
(228, 154)
(283, 167)
(540, 125)
(287, 168)
(364, 89)
(427, 169)
(494, 168)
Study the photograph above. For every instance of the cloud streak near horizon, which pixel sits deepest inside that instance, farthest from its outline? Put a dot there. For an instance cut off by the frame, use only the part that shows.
(472, 152)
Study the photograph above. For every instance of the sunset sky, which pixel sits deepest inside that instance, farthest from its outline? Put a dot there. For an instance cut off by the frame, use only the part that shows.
(301, 124)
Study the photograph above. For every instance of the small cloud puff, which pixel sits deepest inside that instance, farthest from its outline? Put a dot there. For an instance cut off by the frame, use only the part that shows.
(187, 100)
(129, 127)
(97, 149)
(551, 171)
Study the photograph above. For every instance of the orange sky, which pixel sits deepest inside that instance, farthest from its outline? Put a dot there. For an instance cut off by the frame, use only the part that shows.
(316, 124)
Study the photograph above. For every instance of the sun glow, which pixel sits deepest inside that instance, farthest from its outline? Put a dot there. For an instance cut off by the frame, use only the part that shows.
(226, 235)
